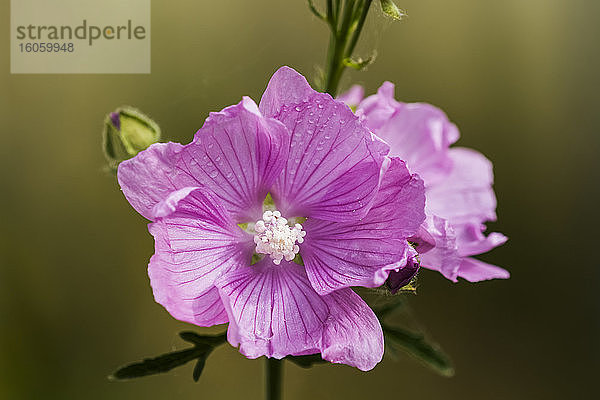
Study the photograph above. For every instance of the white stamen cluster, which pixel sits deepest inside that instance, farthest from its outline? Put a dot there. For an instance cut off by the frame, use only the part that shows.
(276, 238)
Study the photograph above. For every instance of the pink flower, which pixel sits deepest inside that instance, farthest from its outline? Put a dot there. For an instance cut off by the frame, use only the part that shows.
(458, 182)
(318, 162)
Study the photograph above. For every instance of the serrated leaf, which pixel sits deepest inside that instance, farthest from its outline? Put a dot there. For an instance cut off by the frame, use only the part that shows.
(210, 340)
(199, 368)
(416, 345)
(203, 346)
(157, 365)
(306, 361)
(391, 9)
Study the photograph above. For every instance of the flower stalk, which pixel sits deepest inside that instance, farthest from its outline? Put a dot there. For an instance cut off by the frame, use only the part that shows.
(345, 32)
(273, 374)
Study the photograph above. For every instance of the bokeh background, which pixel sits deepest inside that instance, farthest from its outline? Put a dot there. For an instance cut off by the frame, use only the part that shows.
(520, 78)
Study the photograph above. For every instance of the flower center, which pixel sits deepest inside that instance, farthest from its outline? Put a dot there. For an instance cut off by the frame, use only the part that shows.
(276, 238)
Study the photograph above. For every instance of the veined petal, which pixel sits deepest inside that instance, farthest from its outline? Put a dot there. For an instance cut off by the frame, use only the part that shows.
(352, 333)
(362, 253)
(466, 195)
(150, 177)
(273, 311)
(196, 241)
(237, 154)
(334, 164)
(474, 270)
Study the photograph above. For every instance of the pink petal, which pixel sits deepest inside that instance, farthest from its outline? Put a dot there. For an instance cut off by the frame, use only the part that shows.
(423, 240)
(352, 333)
(334, 162)
(418, 133)
(378, 108)
(273, 311)
(353, 96)
(237, 155)
(444, 256)
(362, 253)
(475, 271)
(465, 195)
(149, 177)
(195, 242)
(471, 240)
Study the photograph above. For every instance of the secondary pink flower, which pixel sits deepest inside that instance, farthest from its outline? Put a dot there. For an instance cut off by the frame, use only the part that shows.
(458, 182)
(319, 162)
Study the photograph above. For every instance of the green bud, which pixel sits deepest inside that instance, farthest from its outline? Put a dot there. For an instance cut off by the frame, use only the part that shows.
(359, 63)
(391, 9)
(127, 131)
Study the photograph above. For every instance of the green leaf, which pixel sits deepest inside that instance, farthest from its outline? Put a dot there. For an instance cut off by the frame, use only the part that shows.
(381, 301)
(198, 369)
(306, 361)
(157, 365)
(416, 345)
(391, 9)
(385, 308)
(210, 340)
(314, 10)
(203, 346)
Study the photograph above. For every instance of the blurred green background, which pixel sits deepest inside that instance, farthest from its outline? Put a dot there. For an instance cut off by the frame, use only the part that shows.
(521, 80)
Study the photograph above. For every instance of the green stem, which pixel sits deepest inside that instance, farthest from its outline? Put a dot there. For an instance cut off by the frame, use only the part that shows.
(273, 371)
(343, 38)
(359, 26)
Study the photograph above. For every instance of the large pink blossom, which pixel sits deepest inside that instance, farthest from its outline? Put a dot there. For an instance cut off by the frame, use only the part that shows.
(317, 161)
(458, 182)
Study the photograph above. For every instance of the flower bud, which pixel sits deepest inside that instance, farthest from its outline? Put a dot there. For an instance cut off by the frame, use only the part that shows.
(127, 131)
(398, 280)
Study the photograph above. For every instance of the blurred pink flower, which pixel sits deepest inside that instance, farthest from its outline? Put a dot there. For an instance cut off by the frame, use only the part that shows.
(458, 182)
